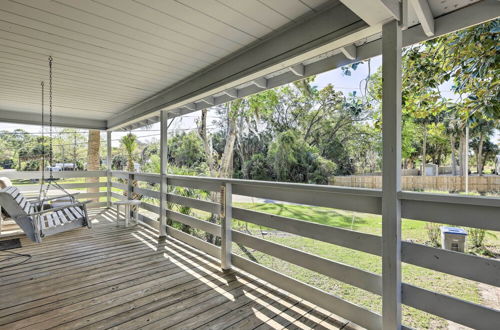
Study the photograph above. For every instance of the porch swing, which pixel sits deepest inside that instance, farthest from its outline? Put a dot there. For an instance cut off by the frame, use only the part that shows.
(47, 215)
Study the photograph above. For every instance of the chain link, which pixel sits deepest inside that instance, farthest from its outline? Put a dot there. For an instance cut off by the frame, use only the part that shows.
(50, 117)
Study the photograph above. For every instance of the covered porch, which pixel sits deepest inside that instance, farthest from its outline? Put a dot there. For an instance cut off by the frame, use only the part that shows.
(157, 276)
(123, 278)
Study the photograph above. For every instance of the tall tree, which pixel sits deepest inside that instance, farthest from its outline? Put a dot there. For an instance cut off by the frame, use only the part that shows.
(93, 161)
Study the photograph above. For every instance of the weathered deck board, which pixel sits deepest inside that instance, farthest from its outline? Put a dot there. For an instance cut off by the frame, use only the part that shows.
(120, 278)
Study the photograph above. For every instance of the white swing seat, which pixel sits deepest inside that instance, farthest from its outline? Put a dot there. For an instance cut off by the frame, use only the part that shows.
(38, 223)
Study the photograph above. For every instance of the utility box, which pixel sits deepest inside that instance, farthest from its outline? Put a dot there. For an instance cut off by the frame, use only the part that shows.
(453, 238)
(431, 170)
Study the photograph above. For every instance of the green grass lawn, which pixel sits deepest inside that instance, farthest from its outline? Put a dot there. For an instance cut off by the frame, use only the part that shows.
(367, 223)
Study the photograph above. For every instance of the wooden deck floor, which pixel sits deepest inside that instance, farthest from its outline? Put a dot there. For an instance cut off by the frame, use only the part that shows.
(111, 277)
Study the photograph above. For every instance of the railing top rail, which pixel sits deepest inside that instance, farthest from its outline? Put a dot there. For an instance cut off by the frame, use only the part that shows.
(62, 174)
(283, 185)
(452, 199)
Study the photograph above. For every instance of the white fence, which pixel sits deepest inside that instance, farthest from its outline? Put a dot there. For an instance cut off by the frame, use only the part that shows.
(479, 212)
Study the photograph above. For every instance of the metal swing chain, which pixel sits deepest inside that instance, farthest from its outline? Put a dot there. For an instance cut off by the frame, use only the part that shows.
(50, 118)
(43, 142)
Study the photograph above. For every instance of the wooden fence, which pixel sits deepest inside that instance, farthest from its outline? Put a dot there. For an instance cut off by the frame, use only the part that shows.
(481, 184)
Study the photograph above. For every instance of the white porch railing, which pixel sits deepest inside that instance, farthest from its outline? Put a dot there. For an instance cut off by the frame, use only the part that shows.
(478, 212)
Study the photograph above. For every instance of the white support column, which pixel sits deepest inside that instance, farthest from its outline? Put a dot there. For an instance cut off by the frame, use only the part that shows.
(391, 175)
(226, 225)
(108, 167)
(163, 173)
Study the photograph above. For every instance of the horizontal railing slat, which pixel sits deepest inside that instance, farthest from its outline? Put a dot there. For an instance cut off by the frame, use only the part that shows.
(28, 175)
(150, 207)
(194, 184)
(194, 222)
(206, 247)
(120, 174)
(474, 268)
(147, 177)
(343, 308)
(342, 272)
(347, 238)
(305, 195)
(207, 206)
(91, 195)
(147, 192)
(468, 211)
(450, 308)
(119, 185)
(147, 220)
(118, 196)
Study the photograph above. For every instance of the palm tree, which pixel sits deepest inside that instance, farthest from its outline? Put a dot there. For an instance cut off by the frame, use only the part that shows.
(93, 161)
(129, 142)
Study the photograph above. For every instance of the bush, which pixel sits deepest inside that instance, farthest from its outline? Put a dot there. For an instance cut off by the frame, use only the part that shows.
(434, 233)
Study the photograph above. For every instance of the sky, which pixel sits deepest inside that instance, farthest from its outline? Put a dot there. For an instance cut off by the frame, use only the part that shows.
(345, 84)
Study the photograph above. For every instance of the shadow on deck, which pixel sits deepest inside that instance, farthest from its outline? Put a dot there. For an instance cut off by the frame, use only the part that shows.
(120, 277)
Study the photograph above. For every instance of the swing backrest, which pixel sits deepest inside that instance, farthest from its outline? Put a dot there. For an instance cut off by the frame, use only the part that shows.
(14, 202)
(18, 208)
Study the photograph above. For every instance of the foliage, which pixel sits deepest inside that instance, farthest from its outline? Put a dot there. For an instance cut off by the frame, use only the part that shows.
(130, 145)
(434, 233)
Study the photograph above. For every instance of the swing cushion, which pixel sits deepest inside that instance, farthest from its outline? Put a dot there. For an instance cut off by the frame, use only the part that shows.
(51, 222)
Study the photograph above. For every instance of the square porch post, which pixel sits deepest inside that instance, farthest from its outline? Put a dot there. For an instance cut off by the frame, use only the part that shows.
(163, 173)
(391, 175)
(108, 168)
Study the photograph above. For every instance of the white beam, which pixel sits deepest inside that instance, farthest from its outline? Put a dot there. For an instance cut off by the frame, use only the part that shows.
(298, 69)
(349, 51)
(424, 15)
(260, 82)
(208, 100)
(391, 175)
(190, 106)
(29, 118)
(163, 173)
(374, 12)
(231, 92)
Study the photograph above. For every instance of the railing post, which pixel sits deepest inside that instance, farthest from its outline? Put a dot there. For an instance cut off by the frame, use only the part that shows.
(391, 175)
(130, 192)
(108, 166)
(226, 211)
(163, 173)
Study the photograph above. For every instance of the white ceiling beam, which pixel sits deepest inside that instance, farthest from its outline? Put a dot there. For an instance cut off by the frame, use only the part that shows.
(29, 118)
(374, 12)
(231, 92)
(208, 100)
(260, 82)
(298, 69)
(424, 15)
(190, 106)
(349, 51)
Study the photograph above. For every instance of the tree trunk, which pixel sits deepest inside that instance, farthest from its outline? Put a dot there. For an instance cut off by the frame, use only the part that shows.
(453, 157)
(461, 157)
(93, 161)
(424, 151)
(207, 145)
(227, 156)
(480, 155)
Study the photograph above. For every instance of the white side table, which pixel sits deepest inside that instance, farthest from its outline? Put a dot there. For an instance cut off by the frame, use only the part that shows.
(127, 205)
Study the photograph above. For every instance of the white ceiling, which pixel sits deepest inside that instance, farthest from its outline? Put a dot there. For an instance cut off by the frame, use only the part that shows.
(117, 62)
(111, 54)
